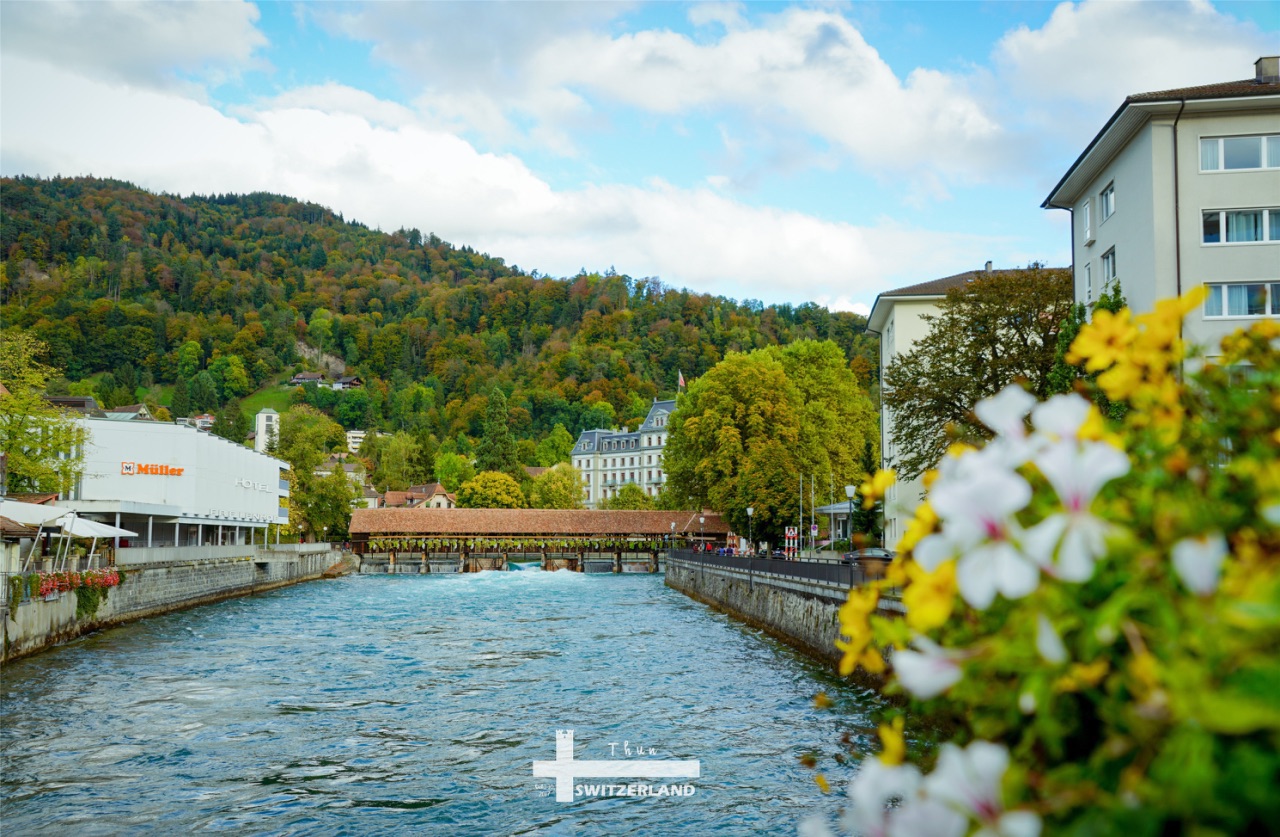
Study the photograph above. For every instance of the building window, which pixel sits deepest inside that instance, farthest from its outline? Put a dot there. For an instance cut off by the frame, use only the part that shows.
(1241, 226)
(1253, 299)
(1088, 283)
(1108, 201)
(1086, 218)
(1109, 266)
(1240, 153)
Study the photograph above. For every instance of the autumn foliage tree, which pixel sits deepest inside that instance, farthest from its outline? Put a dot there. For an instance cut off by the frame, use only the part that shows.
(490, 490)
(43, 445)
(997, 329)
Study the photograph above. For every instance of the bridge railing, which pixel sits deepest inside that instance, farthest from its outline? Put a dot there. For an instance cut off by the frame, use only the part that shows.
(844, 575)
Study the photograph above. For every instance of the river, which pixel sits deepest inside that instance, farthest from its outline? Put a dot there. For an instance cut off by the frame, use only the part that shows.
(417, 705)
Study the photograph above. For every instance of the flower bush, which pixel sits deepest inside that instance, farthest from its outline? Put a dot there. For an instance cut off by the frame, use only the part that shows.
(1092, 607)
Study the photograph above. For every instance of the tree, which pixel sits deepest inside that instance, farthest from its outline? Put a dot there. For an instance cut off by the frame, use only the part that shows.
(203, 392)
(497, 448)
(994, 330)
(230, 377)
(556, 447)
(231, 423)
(747, 430)
(189, 357)
(1063, 376)
(490, 490)
(307, 437)
(452, 470)
(630, 497)
(43, 445)
(181, 400)
(397, 463)
(559, 487)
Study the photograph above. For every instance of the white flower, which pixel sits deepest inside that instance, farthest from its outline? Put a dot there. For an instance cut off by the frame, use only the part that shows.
(1027, 703)
(995, 567)
(872, 790)
(1068, 544)
(814, 826)
(926, 673)
(1048, 643)
(1061, 417)
(1005, 411)
(1198, 561)
(969, 780)
(927, 817)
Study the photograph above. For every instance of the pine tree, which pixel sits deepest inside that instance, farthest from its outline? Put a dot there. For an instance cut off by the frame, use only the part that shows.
(497, 448)
(181, 405)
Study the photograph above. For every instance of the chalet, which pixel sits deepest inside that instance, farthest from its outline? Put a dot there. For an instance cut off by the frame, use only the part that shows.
(307, 378)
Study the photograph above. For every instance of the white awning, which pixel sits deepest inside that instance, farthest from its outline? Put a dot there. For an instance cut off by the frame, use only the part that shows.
(56, 517)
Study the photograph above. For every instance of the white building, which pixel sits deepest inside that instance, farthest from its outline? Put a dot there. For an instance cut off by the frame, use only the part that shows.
(610, 459)
(266, 427)
(1181, 188)
(174, 485)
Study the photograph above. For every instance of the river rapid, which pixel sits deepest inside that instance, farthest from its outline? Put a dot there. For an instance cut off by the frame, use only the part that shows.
(417, 705)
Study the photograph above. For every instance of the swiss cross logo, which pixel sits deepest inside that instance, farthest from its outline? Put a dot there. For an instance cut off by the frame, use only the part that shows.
(128, 468)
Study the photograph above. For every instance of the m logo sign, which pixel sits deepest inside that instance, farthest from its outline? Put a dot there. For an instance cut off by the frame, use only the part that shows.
(128, 468)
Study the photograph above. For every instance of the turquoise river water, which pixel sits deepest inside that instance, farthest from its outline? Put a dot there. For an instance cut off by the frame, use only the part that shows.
(417, 705)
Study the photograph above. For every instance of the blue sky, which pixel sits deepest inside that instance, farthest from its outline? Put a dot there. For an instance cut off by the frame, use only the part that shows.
(782, 152)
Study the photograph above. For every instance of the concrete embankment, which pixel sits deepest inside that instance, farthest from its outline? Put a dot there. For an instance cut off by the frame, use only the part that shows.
(162, 580)
(803, 612)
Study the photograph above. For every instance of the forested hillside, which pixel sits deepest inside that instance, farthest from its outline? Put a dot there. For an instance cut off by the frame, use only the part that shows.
(225, 294)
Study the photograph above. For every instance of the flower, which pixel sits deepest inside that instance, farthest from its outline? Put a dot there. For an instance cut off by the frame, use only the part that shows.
(1103, 341)
(1198, 560)
(1004, 412)
(969, 780)
(928, 597)
(872, 790)
(874, 487)
(926, 673)
(1077, 473)
(894, 746)
(1048, 643)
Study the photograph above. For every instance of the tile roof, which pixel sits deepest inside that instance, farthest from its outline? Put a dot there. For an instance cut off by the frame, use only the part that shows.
(1220, 90)
(939, 287)
(548, 522)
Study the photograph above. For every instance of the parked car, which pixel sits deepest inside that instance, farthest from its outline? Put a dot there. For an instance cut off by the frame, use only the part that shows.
(875, 553)
(778, 553)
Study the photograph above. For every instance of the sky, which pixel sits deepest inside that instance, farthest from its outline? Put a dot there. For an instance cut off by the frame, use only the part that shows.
(784, 152)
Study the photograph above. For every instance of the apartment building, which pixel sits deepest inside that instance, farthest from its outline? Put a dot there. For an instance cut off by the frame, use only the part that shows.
(610, 459)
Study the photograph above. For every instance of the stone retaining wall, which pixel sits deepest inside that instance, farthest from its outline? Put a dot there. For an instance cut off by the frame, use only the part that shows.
(149, 590)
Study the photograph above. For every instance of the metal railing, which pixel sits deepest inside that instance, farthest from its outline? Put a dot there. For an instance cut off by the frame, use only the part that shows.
(844, 575)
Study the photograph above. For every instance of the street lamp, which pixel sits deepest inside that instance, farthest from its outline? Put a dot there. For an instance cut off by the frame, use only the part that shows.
(849, 491)
(702, 533)
(751, 544)
(671, 539)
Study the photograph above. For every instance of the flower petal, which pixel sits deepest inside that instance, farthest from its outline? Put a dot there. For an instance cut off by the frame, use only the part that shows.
(1048, 643)
(1198, 561)
(925, 675)
(927, 817)
(1004, 411)
(1061, 416)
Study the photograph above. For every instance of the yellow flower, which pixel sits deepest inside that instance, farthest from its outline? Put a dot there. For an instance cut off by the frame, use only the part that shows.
(929, 596)
(1121, 381)
(874, 488)
(894, 746)
(1103, 341)
(856, 628)
(924, 522)
(821, 701)
(1082, 675)
(822, 783)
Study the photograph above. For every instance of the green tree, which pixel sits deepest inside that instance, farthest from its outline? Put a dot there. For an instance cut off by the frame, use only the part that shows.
(43, 445)
(630, 497)
(452, 470)
(398, 461)
(490, 490)
(496, 450)
(181, 405)
(994, 330)
(230, 377)
(203, 392)
(307, 437)
(231, 423)
(556, 447)
(559, 487)
(190, 356)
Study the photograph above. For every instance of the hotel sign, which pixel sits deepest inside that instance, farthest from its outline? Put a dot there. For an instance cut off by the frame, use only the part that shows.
(130, 469)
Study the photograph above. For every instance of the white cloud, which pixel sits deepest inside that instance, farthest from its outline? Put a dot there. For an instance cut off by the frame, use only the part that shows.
(1098, 52)
(146, 44)
(392, 173)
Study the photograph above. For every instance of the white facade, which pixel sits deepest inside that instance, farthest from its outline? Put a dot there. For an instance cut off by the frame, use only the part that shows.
(1182, 189)
(177, 486)
(610, 459)
(266, 426)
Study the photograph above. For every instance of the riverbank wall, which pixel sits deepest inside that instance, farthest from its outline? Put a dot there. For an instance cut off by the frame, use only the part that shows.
(163, 580)
(796, 602)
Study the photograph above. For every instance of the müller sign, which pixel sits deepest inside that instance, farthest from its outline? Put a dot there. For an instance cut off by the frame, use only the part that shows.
(137, 468)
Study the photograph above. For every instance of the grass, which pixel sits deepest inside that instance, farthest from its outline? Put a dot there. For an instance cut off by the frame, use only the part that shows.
(272, 395)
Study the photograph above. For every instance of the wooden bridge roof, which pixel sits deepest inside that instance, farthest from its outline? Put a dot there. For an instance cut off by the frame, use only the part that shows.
(546, 522)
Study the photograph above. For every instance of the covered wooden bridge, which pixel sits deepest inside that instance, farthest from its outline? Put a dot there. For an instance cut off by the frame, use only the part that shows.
(469, 540)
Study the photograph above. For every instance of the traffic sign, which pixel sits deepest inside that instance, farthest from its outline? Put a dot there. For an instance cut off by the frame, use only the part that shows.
(813, 530)
(791, 532)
